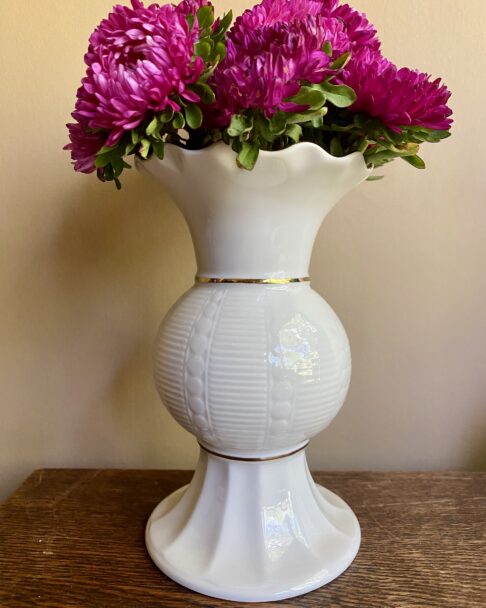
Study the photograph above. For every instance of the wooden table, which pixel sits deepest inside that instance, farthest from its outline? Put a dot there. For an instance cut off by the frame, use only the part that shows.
(75, 538)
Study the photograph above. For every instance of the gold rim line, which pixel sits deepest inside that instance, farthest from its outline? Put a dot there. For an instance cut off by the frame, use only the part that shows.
(243, 459)
(284, 281)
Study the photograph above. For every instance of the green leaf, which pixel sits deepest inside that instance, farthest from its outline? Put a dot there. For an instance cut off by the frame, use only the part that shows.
(248, 155)
(190, 20)
(130, 147)
(224, 23)
(135, 135)
(167, 115)
(309, 96)
(327, 48)
(374, 178)
(363, 146)
(194, 116)
(239, 124)
(117, 166)
(415, 161)
(178, 122)
(336, 148)
(340, 95)
(101, 161)
(205, 16)
(379, 158)
(106, 149)
(144, 149)
(359, 120)
(408, 149)
(158, 147)
(152, 126)
(341, 61)
(390, 136)
(294, 132)
(108, 173)
(277, 123)
(262, 126)
(203, 49)
(204, 91)
(429, 135)
(108, 157)
(220, 50)
(304, 117)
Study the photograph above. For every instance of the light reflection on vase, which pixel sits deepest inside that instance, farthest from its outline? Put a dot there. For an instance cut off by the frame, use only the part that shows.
(297, 348)
(281, 527)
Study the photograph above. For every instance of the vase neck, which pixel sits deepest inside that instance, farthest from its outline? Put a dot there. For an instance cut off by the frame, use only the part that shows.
(253, 235)
(260, 223)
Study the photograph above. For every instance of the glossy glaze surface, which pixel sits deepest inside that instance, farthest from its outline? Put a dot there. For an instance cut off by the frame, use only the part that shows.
(253, 370)
(267, 533)
(259, 223)
(252, 367)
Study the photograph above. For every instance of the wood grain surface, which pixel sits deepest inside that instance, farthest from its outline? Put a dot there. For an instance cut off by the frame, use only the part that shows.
(76, 538)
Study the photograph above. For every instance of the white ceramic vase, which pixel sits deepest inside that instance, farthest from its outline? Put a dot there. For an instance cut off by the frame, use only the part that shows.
(254, 363)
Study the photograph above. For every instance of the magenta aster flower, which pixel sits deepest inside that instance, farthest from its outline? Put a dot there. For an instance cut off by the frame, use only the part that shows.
(139, 59)
(122, 33)
(84, 146)
(271, 50)
(253, 30)
(126, 29)
(358, 29)
(398, 97)
(187, 7)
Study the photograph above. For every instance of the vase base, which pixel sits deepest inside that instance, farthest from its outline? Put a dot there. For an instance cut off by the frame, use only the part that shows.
(252, 531)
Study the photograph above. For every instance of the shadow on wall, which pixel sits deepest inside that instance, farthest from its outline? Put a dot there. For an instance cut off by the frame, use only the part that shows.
(476, 458)
(83, 310)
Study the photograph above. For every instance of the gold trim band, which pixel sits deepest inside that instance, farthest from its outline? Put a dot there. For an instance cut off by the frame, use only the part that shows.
(243, 459)
(271, 281)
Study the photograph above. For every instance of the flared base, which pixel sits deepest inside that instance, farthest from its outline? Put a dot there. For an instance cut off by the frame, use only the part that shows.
(252, 531)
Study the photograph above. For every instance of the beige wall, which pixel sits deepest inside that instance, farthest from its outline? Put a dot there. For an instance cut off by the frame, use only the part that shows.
(87, 273)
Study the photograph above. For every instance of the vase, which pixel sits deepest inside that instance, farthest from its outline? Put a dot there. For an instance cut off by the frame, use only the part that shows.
(254, 363)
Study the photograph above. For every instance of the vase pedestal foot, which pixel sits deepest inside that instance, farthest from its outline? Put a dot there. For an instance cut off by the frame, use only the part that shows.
(252, 531)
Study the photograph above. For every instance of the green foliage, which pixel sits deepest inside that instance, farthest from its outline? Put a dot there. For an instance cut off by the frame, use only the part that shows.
(247, 155)
(194, 116)
(345, 132)
(327, 122)
(182, 127)
(205, 17)
(339, 95)
(253, 130)
(340, 62)
(322, 115)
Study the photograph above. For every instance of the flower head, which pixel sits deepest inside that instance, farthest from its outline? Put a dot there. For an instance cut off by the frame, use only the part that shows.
(360, 31)
(356, 26)
(398, 97)
(271, 50)
(84, 147)
(140, 59)
(172, 74)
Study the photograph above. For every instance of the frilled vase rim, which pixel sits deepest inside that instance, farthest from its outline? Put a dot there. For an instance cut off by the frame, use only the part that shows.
(302, 153)
(307, 145)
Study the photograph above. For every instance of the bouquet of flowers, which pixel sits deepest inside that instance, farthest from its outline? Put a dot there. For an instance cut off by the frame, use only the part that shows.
(286, 71)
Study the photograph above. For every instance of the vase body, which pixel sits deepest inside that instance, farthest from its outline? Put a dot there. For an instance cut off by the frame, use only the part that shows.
(254, 363)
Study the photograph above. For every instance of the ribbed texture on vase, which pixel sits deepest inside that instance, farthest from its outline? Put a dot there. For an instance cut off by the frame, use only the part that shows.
(238, 374)
(170, 354)
(252, 367)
